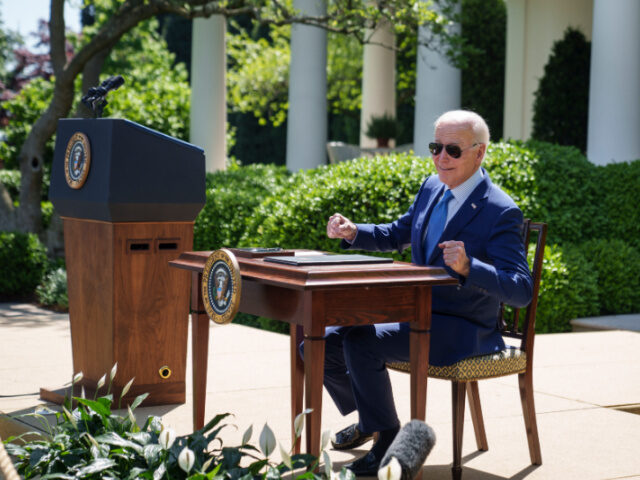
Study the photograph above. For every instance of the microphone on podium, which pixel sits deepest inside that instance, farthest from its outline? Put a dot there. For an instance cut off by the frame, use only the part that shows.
(408, 452)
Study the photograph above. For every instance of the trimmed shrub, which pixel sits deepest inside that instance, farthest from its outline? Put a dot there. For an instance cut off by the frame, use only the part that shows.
(52, 292)
(616, 264)
(619, 186)
(23, 260)
(568, 289)
(568, 194)
(367, 190)
(561, 105)
(232, 195)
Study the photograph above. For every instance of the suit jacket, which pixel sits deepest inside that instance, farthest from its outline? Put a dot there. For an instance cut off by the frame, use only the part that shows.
(465, 316)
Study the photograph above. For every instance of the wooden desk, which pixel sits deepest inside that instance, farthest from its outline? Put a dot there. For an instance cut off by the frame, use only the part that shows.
(310, 298)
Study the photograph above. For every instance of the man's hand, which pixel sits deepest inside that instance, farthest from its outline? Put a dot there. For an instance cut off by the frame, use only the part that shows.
(341, 227)
(455, 256)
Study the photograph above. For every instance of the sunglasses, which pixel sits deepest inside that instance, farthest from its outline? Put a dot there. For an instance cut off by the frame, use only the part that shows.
(454, 151)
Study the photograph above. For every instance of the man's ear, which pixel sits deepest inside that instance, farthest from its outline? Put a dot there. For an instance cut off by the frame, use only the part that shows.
(480, 153)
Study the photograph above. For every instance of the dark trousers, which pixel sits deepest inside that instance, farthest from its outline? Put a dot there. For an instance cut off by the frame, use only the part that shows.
(355, 374)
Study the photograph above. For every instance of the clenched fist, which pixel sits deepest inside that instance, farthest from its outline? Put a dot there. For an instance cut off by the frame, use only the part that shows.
(455, 256)
(339, 226)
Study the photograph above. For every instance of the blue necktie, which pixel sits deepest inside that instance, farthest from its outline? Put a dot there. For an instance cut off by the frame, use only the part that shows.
(436, 224)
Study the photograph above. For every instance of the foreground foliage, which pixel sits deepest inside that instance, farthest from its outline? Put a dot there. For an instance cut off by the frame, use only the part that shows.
(92, 442)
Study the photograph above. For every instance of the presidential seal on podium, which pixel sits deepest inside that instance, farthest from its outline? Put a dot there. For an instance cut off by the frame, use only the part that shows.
(221, 286)
(77, 160)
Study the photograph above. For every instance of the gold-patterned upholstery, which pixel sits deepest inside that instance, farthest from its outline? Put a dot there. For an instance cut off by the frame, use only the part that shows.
(505, 362)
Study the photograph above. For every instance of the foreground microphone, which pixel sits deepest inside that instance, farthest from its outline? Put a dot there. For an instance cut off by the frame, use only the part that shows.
(113, 83)
(95, 97)
(407, 452)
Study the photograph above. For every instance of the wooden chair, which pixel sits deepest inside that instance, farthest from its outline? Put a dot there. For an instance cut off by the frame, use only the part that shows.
(464, 375)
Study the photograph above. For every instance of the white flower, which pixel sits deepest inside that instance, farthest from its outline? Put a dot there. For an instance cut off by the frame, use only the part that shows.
(186, 459)
(114, 369)
(166, 438)
(101, 382)
(392, 471)
(77, 377)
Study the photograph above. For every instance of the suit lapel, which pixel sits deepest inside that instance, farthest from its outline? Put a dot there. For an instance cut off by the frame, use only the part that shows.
(467, 211)
(425, 215)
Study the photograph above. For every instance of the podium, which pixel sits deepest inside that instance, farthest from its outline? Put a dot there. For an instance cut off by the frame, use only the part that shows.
(128, 197)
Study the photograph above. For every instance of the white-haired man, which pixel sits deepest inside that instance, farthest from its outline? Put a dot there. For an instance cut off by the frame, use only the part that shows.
(461, 221)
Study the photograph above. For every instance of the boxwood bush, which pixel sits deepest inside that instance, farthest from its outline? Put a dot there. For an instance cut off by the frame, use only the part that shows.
(568, 289)
(231, 197)
(616, 265)
(23, 260)
(551, 183)
(366, 190)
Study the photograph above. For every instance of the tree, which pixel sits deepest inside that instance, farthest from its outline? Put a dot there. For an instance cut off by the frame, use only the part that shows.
(114, 18)
(561, 105)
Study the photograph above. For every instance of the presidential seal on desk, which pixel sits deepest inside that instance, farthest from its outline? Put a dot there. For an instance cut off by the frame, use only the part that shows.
(77, 160)
(221, 286)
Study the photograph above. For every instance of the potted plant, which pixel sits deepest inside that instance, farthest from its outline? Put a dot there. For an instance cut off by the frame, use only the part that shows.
(382, 128)
(91, 442)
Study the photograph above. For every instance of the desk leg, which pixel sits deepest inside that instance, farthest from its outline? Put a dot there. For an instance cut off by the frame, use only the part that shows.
(199, 350)
(313, 376)
(297, 380)
(419, 353)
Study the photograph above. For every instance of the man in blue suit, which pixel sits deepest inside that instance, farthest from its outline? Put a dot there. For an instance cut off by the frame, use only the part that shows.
(461, 221)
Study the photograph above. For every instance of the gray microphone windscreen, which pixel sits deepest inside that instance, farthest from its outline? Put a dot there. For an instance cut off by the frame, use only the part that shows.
(411, 446)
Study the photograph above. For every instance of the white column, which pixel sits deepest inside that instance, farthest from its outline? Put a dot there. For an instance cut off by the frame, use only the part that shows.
(614, 89)
(514, 72)
(307, 117)
(438, 86)
(378, 79)
(208, 92)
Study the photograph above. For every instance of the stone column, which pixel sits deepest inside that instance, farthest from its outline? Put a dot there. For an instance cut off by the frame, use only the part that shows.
(614, 90)
(307, 117)
(208, 92)
(378, 79)
(438, 86)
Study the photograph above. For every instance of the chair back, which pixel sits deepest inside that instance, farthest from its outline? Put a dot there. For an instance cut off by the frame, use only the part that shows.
(536, 233)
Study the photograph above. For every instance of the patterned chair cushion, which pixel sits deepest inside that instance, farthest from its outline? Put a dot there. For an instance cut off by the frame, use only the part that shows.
(505, 362)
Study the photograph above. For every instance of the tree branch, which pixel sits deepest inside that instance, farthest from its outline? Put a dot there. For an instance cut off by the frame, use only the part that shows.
(57, 36)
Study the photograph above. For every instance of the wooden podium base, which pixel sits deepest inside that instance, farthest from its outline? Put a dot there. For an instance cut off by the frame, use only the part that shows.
(127, 306)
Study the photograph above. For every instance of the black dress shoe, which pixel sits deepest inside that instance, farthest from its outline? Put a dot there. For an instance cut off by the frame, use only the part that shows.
(350, 437)
(366, 466)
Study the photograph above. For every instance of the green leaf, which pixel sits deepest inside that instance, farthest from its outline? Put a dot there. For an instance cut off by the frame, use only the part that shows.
(247, 435)
(112, 438)
(139, 399)
(213, 422)
(152, 454)
(96, 466)
(159, 473)
(95, 405)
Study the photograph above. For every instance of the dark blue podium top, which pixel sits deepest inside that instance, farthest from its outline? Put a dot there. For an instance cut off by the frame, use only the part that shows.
(134, 174)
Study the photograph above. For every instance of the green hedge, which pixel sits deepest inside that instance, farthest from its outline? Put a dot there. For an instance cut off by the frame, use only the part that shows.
(366, 190)
(568, 289)
(23, 261)
(592, 255)
(616, 265)
(52, 292)
(551, 183)
(232, 196)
